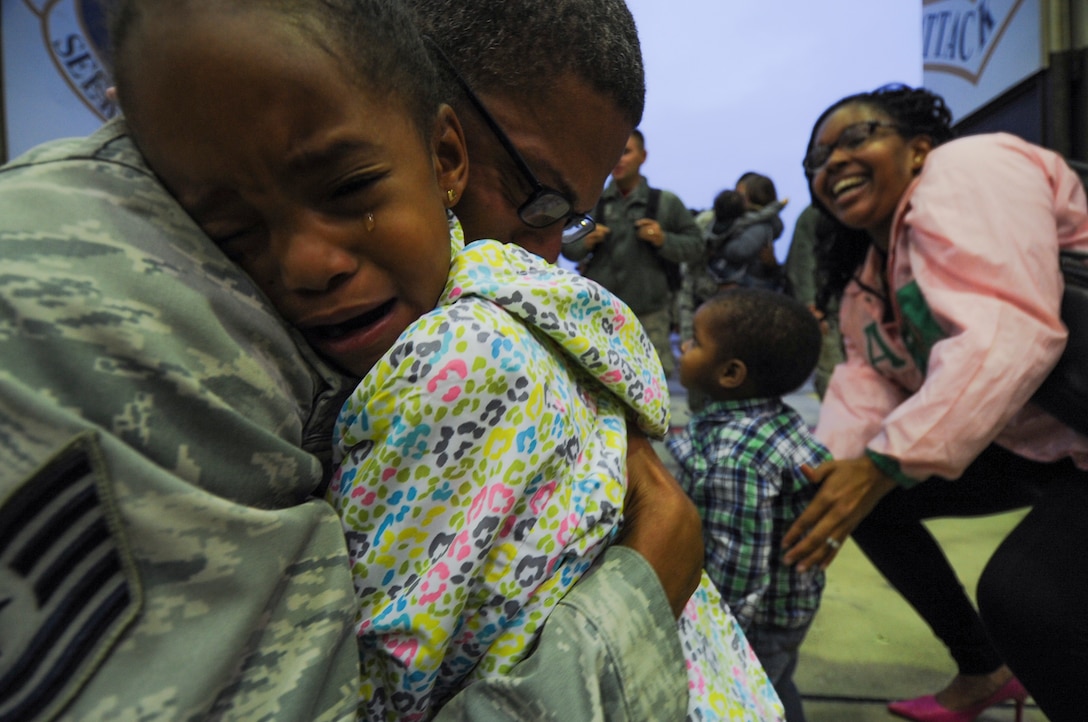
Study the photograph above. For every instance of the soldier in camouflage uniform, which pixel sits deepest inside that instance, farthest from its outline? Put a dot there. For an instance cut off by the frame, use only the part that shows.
(161, 443)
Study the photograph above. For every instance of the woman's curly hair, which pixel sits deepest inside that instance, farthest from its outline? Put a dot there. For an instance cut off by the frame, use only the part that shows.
(841, 250)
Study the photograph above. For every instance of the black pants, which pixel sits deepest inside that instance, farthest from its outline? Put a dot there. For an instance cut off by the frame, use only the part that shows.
(1033, 593)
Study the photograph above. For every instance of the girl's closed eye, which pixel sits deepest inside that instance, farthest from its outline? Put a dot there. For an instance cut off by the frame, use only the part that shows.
(353, 186)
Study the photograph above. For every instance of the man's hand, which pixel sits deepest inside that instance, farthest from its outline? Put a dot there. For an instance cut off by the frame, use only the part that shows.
(650, 231)
(597, 236)
(661, 522)
(849, 490)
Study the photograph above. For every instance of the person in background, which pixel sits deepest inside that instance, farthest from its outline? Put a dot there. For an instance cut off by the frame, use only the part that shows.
(745, 246)
(945, 253)
(698, 284)
(741, 460)
(803, 284)
(641, 237)
(144, 371)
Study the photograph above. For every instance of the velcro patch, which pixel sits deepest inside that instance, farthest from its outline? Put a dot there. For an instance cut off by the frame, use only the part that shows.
(68, 585)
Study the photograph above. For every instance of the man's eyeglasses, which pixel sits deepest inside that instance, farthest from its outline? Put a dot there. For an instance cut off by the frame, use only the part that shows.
(545, 205)
(851, 138)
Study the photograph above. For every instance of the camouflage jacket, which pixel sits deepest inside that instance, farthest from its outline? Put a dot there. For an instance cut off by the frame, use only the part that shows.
(162, 555)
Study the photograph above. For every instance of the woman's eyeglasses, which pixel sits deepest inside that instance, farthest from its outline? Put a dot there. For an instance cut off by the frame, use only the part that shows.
(851, 138)
(545, 205)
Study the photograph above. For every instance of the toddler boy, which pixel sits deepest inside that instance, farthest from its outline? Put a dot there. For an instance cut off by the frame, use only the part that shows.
(740, 460)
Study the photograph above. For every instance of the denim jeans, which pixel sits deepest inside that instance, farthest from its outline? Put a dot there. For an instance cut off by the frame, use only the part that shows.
(777, 649)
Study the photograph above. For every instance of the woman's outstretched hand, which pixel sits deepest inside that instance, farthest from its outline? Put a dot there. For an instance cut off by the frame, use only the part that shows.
(849, 490)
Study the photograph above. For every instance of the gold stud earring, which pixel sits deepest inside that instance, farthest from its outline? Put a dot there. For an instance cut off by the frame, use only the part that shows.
(451, 194)
(370, 223)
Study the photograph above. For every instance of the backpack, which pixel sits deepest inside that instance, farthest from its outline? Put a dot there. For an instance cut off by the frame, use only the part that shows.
(673, 274)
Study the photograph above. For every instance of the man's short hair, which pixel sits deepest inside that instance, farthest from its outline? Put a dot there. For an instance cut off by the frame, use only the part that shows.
(518, 47)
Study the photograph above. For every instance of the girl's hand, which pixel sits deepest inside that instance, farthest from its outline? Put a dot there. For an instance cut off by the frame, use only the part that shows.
(849, 490)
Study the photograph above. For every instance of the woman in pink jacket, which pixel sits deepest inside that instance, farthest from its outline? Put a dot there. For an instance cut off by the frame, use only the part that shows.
(946, 260)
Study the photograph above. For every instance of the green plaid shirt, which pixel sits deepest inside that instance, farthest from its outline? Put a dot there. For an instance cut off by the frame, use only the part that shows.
(740, 462)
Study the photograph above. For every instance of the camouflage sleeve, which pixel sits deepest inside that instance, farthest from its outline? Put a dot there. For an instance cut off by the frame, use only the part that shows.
(609, 651)
(161, 556)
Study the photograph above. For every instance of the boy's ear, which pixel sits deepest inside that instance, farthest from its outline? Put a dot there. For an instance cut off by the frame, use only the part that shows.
(732, 373)
(450, 155)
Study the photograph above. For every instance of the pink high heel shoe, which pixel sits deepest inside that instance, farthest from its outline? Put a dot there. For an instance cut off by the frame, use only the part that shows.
(928, 709)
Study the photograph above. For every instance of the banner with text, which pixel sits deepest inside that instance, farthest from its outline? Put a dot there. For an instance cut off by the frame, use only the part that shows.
(974, 50)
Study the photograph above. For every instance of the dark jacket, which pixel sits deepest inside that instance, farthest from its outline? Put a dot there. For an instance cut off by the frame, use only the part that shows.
(735, 255)
(628, 266)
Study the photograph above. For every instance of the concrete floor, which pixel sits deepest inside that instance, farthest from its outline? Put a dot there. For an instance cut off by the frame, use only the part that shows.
(866, 645)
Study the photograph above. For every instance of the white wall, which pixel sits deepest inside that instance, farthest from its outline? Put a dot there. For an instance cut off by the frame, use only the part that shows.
(735, 85)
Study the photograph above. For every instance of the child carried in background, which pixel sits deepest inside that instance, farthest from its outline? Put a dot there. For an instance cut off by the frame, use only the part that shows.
(741, 459)
(721, 224)
(741, 240)
(482, 458)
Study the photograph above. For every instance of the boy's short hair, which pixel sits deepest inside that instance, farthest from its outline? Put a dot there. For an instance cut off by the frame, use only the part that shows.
(776, 337)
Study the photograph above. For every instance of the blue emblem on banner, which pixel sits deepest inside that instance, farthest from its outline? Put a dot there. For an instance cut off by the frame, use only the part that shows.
(67, 585)
(76, 33)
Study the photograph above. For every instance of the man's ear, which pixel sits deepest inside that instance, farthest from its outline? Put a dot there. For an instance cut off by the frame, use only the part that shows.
(450, 155)
(732, 373)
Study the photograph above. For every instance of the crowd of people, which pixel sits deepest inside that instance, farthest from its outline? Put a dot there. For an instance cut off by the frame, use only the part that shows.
(300, 420)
